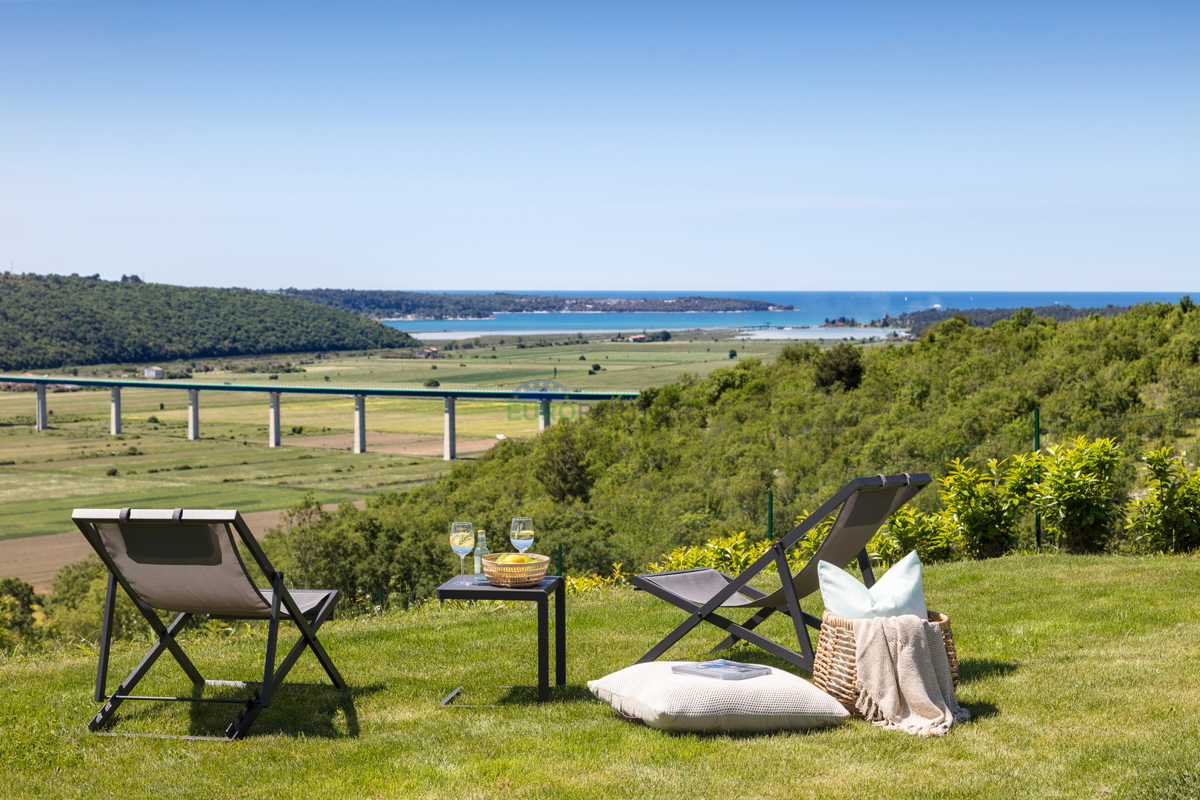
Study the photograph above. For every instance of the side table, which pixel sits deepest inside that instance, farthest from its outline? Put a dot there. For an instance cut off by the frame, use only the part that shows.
(551, 584)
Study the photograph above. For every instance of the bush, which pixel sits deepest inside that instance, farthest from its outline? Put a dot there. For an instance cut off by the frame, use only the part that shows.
(1075, 490)
(731, 554)
(432, 383)
(75, 609)
(982, 511)
(841, 364)
(17, 605)
(1167, 517)
(935, 537)
(799, 353)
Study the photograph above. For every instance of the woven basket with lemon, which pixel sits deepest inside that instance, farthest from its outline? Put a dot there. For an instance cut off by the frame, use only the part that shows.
(514, 570)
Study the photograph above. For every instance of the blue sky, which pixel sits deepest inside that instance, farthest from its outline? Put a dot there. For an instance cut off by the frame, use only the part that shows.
(704, 146)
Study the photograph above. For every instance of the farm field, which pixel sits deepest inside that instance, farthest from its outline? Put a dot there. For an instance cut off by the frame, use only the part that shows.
(78, 464)
(1079, 673)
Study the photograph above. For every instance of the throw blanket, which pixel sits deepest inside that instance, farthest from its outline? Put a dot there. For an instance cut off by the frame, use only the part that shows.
(904, 676)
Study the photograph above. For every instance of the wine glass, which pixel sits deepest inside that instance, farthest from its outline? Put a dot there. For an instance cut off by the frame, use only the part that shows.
(462, 541)
(521, 533)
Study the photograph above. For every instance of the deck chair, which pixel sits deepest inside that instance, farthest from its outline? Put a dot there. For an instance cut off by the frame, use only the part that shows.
(865, 504)
(188, 562)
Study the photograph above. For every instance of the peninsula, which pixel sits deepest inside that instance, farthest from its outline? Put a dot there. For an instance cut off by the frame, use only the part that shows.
(395, 305)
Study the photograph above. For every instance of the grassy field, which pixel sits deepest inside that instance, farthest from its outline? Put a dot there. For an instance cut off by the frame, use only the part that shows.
(1080, 674)
(43, 475)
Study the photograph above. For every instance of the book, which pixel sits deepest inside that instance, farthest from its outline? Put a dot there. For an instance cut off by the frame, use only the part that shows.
(721, 669)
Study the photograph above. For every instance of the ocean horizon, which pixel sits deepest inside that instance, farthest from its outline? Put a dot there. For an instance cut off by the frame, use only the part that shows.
(811, 310)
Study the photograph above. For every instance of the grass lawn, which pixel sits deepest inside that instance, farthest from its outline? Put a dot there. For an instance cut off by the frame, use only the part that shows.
(1080, 673)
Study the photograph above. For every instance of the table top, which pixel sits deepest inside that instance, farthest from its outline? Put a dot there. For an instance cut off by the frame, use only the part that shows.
(483, 590)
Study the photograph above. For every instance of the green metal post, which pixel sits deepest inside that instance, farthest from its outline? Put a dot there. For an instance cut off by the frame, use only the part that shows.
(770, 516)
(560, 572)
(1037, 445)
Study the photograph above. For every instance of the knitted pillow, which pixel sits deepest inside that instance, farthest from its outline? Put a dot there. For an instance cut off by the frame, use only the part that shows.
(900, 591)
(670, 702)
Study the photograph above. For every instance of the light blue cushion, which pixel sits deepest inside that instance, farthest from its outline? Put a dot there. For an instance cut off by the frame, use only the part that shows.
(899, 592)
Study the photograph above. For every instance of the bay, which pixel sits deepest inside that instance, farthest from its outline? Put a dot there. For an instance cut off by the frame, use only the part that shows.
(812, 308)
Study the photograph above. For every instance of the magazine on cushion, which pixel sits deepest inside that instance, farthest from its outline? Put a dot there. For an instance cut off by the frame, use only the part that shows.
(722, 669)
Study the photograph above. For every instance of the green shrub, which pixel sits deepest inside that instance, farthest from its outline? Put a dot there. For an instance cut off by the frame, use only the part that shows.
(935, 536)
(841, 364)
(731, 554)
(1167, 517)
(18, 621)
(980, 508)
(75, 609)
(1076, 492)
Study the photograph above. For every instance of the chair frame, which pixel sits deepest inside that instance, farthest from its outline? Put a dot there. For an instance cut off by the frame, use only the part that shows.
(281, 600)
(777, 555)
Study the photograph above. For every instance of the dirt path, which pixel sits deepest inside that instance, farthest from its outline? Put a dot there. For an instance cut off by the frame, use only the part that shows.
(35, 559)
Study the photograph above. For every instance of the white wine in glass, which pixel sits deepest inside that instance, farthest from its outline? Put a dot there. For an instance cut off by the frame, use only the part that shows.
(462, 541)
(521, 533)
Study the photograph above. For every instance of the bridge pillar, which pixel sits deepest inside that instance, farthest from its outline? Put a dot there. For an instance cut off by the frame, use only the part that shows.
(39, 422)
(449, 445)
(543, 415)
(114, 415)
(360, 424)
(193, 414)
(273, 437)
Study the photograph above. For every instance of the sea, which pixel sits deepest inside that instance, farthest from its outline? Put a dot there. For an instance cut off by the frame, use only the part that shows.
(811, 310)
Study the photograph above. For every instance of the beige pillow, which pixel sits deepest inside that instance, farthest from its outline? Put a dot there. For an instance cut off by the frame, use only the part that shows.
(660, 698)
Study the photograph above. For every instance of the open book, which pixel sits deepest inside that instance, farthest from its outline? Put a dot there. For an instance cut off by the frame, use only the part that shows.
(722, 670)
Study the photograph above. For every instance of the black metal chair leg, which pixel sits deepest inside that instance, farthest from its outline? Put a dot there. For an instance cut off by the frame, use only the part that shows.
(750, 624)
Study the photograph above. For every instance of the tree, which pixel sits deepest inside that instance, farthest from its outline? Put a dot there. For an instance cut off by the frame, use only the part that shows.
(561, 469)
(841, 364)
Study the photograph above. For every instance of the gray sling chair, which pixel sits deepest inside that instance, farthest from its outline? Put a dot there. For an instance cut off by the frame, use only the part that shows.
(188, 562)
(865, 504)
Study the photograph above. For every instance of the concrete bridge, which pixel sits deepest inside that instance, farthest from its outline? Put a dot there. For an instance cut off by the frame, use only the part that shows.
(540, 392)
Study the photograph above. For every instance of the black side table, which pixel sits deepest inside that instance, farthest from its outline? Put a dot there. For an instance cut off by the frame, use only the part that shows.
(451, 590)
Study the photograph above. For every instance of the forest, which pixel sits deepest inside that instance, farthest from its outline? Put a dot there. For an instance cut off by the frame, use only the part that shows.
(918, 321)
(382, 304)
(51, 321)
(693, 461)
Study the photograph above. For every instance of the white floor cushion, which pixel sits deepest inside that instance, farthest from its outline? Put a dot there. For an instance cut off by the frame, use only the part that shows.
(670, 702)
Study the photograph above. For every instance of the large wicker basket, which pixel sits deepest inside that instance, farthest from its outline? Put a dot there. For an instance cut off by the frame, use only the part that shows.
(515, 576)
(834, 668)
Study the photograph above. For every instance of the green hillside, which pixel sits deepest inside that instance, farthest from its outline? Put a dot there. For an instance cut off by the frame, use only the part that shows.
(695, 459)
(50, 321)
(385, 304)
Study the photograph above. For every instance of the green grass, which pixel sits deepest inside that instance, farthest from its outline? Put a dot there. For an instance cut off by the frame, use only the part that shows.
(1080, 673)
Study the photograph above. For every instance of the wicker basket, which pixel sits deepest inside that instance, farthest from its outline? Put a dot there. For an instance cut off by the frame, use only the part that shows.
(515, 576)
(834, 668)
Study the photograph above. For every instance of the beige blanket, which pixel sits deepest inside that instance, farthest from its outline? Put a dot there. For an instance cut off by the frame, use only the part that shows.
(904, 676)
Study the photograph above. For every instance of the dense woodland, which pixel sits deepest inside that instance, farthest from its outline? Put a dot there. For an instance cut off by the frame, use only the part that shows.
(381, 304)
(50, 321)
(694, 460)
(918, 321)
